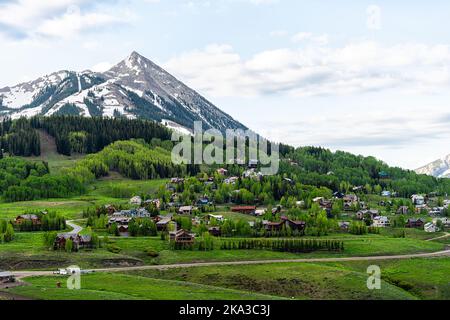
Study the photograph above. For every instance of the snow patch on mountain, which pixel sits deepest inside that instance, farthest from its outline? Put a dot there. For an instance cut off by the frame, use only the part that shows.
(439, 168)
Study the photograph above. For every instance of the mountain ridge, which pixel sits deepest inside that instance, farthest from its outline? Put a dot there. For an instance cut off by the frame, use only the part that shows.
(439, 168)
(134, 88)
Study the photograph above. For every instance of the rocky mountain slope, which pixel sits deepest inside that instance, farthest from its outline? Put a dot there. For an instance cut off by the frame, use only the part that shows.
(134, 88)
(439, 168)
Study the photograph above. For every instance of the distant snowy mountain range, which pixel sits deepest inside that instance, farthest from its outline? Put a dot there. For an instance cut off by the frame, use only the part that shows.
(133, 88)
(439, 168)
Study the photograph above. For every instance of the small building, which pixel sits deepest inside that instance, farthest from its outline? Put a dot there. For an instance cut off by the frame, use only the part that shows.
(163, 223)
(344, 225)
(363, 213)
(186, 210)
(244, 209)
(79, 241)
(203, 202)
(218, 218)
(182, 237)
(445, 221)
(177, 180)
(259, 212)
(386, 193)
(418, 200)
(430, 227)
(414, 223)
(403, 210)
(136, 201)
(6, 277)
(350, 201)
(34, 219)
(222, 171)
(123, 230)
(215, 231)
(381, 222)
(155, 202)
(231, 180)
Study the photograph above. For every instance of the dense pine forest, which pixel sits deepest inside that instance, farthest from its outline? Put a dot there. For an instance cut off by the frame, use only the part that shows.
(89, 135)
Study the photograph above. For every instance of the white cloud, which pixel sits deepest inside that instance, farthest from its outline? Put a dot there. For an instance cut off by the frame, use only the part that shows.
(373, 17)
(316, 69)
(24, 19)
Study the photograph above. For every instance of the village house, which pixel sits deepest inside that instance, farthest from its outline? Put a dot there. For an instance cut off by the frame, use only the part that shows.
(182, 237)
(418, 200)
(34, 219)
(231, 180)
(414, 223)
(403, 210)
(133, 213)
(203, 202)
(136, 201)
(259, 212)
(215, 231)
(286, 222)
(186, 210)
(436, 211)
(363, 213)
(350, 201)
(177, 180)
(79, 241)
(155, 202)
(430, 227)
(344, 226)
(445, 221)
(244, 209)
(222, 171)
(110, 209)
(163, 223)
(6, 277)
(218, 218)
(385, 193)
(381, 222)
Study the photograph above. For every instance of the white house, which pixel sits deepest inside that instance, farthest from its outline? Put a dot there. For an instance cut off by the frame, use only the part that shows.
(418, 200)
(445, 221)
(260, 212)
(136, 200)
(430, 227)
(381, 222)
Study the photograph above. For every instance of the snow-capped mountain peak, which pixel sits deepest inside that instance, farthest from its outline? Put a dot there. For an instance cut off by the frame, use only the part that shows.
(135, 88)
(439, 168)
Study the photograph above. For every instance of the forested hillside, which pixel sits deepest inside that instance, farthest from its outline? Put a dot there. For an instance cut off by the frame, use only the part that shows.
(149, 158)
(343, 171)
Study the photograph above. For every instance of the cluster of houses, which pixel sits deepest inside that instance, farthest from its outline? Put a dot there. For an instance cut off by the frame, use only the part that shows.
(420, 203)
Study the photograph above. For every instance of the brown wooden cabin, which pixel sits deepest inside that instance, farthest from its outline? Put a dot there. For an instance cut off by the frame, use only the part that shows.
(182, 236)
(244, 209)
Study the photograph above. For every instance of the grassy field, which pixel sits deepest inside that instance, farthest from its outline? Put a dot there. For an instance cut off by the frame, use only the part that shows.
(290, 280)
(106, 286)
(424, 278)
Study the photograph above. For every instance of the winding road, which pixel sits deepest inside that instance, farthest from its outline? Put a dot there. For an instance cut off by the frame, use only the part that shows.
(445, 253)
(76, 228)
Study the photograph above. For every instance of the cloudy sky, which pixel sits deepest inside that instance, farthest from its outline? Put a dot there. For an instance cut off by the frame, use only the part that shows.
(369, 77)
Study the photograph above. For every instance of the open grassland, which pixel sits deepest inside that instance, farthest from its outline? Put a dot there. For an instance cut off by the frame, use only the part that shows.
(420, 278)
(290, 280)
(424, 278)
(108, 286)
